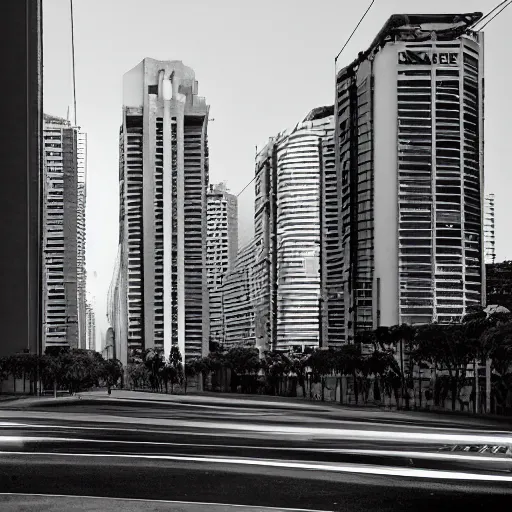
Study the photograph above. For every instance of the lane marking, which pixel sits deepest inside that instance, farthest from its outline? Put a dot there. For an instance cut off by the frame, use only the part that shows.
(342, 451)
(132, 430)
(333, 468)
(258, 507)
(363, 424)
(329, 433)
(267, 427)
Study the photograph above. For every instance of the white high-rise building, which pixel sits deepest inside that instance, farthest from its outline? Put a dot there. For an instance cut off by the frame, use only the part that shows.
(409, 146)
(238, 300)
(221, 247)
(287, 235)
(159, 297)
(63, 265)
(91, 325)
(489, 236)
(81, 235)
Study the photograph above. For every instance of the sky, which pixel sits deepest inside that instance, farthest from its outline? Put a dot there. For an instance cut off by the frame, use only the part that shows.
(262, 66)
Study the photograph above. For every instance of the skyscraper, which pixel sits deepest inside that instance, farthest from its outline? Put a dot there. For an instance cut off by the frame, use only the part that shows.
(489, 237)
(81, 234)
(163, 176)
(221, 247)
(91, 326)
(117, 311)
(332, 327)
(409, 140)
(238, 300)
(22, 165)
(61, 234)
(287, 234)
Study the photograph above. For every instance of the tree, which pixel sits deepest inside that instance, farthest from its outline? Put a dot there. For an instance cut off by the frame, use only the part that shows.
(321, 363)
(138, 374)
(403, 339)
(80, 369)
(446, 347)
(199, 366)
(496, 344)
(190, 371)
(112, 371)
(298, 364)
(275, 365)
(51, 372)
(175, 367)
(154, 361)
(348, 361)
(4, 370)
(15, 367)
(499, 284)
(242, 361)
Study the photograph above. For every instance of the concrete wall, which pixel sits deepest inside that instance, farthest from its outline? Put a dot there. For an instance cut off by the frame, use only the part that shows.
(386, 186)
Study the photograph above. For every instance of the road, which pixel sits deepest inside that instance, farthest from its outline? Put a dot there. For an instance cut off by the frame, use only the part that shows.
(190, 452)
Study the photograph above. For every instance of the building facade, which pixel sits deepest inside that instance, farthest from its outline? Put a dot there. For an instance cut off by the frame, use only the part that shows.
(287, 235)
(489, 236)
(221, 247)
(163, 185)
(332, 326)
(91, 327)
(409, 146)
(117, 312)
(22, 166)
(81, 234)
(63, 263)
(238, 300)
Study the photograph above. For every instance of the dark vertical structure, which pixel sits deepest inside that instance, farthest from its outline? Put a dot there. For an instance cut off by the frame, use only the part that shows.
(69, 167)
(21, 156)
(331, 257)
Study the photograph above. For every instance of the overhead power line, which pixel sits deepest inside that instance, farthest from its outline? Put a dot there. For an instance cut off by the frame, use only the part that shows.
(483, 18)
(73, 58)
(348, 40)
(497, 14)
(354, 31)
(246, 186)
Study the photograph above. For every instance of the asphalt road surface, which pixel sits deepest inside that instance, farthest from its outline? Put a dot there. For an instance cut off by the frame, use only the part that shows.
(96, 452)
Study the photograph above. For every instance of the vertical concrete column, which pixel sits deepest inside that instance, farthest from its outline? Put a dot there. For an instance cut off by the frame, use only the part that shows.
(167, 185)
(180, 198)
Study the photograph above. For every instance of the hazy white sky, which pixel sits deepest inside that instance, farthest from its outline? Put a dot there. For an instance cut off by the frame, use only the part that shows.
(262, 65)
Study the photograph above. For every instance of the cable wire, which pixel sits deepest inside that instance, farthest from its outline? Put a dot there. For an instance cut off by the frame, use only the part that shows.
(354, 31)
(344, 46)
(246, 186)
(73, 57)
(498, 13)
(483, 18)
